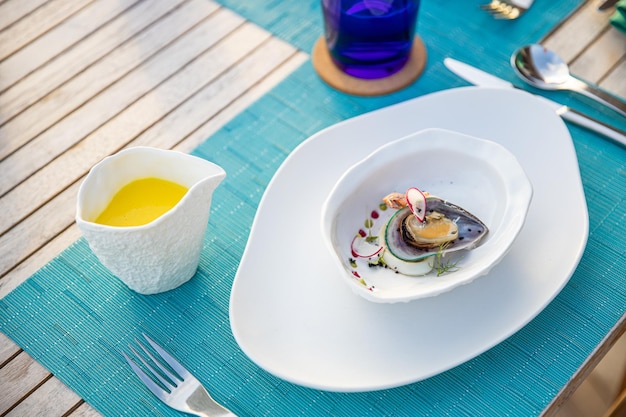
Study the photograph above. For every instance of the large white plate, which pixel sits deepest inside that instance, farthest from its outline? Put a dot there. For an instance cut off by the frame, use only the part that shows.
(291, 313)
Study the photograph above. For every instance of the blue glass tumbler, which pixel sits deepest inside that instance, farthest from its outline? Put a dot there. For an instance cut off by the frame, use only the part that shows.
(370, 39)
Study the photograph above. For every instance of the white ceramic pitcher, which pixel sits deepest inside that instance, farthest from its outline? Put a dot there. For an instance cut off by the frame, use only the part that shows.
(162, 254)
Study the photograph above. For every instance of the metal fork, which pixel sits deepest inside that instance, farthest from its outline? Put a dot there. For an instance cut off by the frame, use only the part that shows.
(507, 9)
(183, 392)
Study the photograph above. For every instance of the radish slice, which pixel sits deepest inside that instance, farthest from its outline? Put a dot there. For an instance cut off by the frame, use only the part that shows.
(363, 249)
(417, 203)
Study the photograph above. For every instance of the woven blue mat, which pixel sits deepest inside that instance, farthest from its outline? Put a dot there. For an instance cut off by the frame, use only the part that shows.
(75, 318)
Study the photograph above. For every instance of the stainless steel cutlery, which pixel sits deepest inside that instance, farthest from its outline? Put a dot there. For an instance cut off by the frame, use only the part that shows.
(179, 389)
(484, 79)
(507, 9)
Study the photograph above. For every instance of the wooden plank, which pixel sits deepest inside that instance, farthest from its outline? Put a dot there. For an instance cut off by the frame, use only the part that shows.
(36, 24)
(586, 368)
(28, 236)
(194, 112)
(577, 32)
(272, 51)
(12, 11)
(85, 53)
(137, 116)
(53, 398)
(115, 98)
(215, 121)
(22, 240)
(604, 53)
(18, 378)
(36, 53)
(8, 349)
(614, 81)
(54, 242)
(84, 410)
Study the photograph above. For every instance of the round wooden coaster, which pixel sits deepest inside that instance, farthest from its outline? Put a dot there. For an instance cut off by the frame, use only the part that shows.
(336, 78)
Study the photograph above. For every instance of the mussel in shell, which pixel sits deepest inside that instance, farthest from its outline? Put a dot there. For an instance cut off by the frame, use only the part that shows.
(446, 228)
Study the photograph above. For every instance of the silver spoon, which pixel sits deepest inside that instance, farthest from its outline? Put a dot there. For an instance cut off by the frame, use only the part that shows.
(542, 68)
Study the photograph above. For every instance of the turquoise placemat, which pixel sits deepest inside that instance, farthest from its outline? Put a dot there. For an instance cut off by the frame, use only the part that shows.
(76, 319)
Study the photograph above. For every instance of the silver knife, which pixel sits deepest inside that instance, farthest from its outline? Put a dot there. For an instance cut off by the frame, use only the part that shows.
(483, 79)
(607, 4)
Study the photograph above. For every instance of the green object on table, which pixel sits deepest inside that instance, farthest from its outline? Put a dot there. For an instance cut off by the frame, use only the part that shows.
(618, 19)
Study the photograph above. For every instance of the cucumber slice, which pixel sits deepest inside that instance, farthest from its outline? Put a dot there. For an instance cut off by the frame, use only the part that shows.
(394, 242)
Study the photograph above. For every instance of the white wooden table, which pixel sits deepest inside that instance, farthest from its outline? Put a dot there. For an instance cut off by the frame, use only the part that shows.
(81, 79)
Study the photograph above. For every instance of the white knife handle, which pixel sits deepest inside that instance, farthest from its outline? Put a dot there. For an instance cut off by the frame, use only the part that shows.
(597, 126)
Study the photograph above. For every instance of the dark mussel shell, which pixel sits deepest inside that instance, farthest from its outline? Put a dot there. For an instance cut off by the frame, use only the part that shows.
(471, 230)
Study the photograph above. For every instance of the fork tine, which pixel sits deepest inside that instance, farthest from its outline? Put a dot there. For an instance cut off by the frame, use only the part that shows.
(148, 382)
(169, 359)
(502, 9)
(174, 378)
(509, 12)
(186, 394)
(167, 384)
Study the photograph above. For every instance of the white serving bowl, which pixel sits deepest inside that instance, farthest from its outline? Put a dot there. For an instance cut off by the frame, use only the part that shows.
(481, 176)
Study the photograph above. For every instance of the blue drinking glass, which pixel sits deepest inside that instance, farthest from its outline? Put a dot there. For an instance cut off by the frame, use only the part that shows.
(370, 38)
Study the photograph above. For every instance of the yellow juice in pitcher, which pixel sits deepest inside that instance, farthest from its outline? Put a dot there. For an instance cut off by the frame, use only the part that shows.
(141, 201)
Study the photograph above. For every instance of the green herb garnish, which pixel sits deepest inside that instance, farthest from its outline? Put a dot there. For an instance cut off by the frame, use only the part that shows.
(370, 238)
(445, 266)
